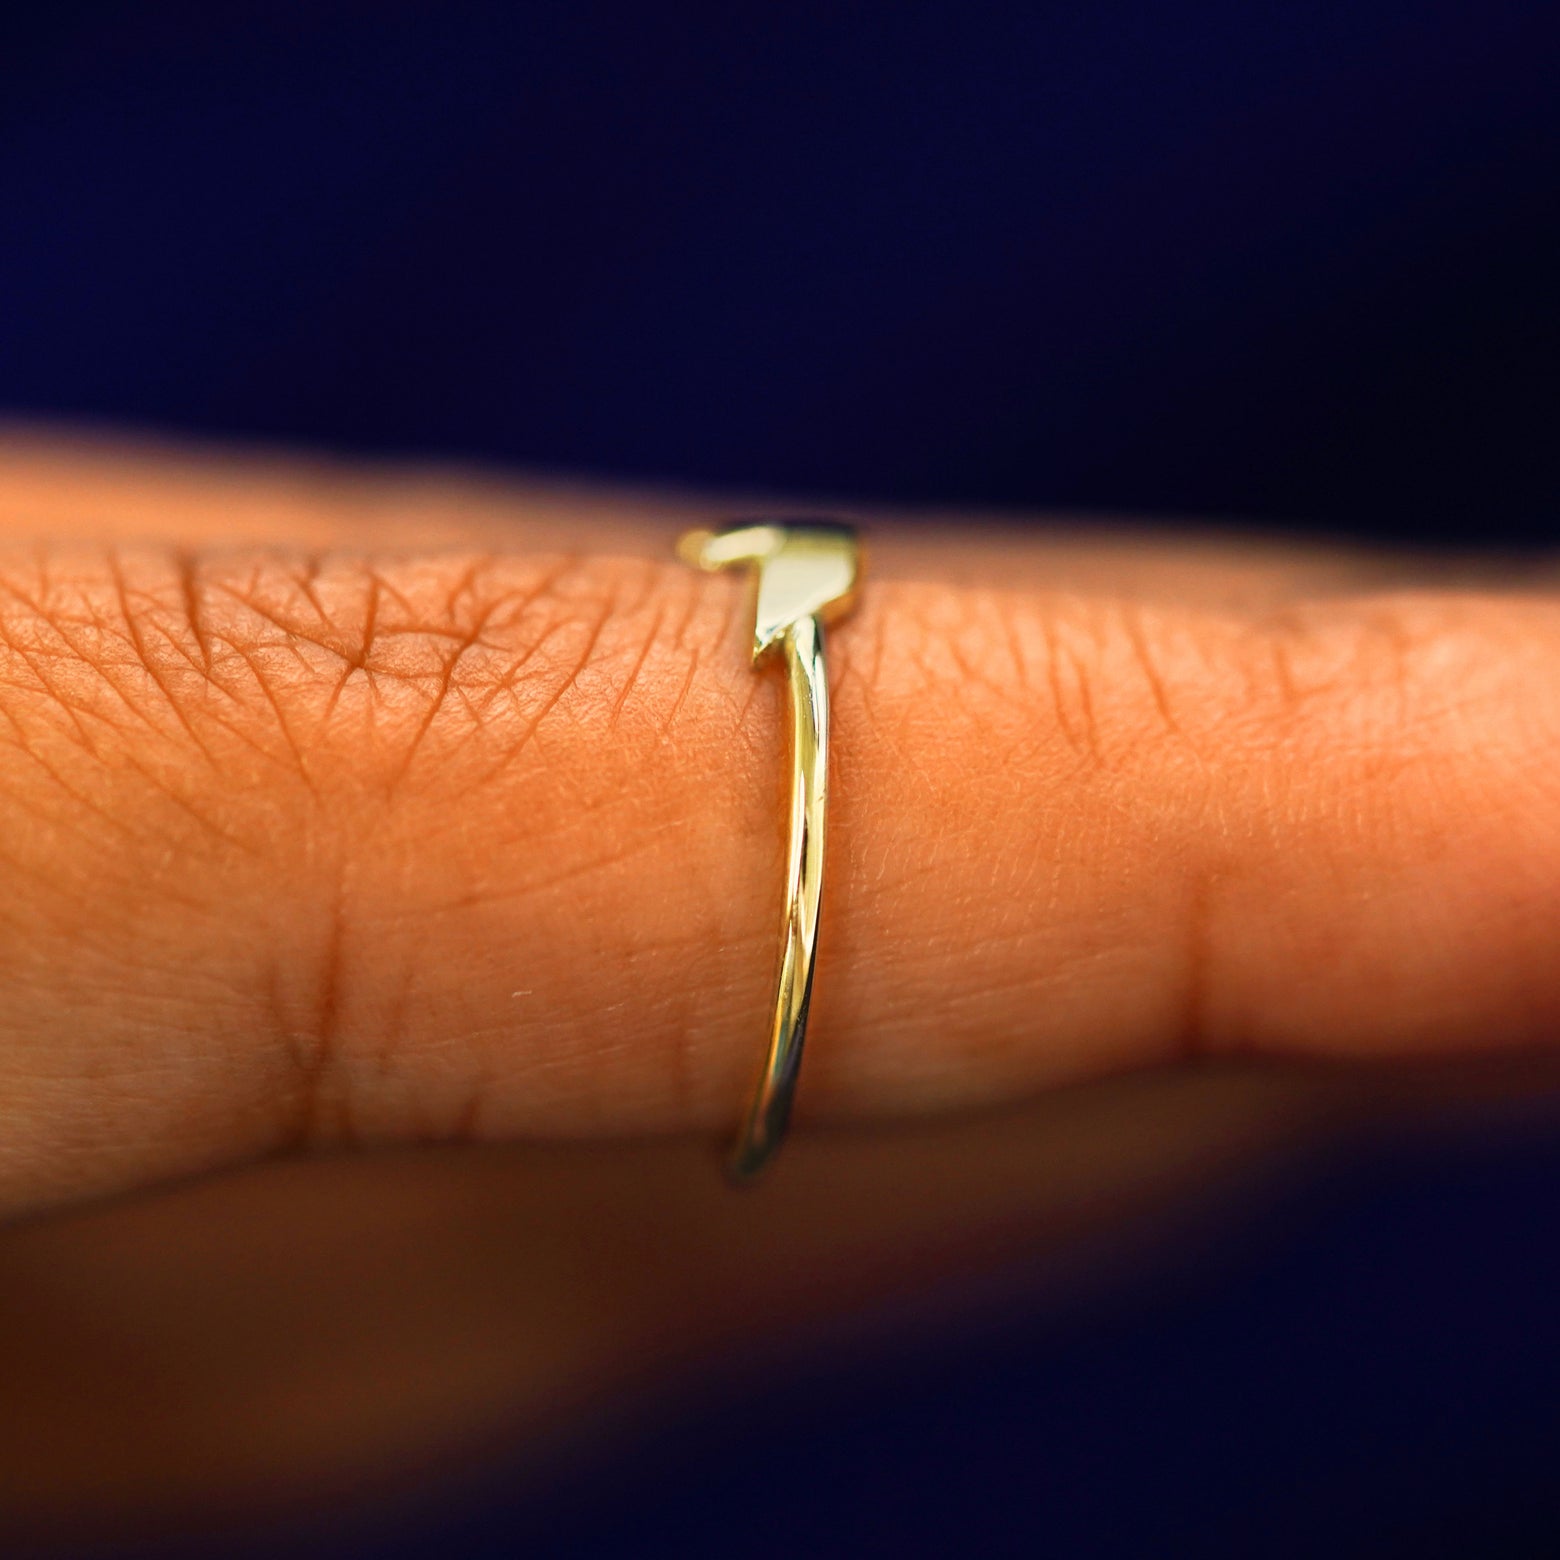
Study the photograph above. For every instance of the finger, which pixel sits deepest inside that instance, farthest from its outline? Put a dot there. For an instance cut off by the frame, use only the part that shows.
(314, 848)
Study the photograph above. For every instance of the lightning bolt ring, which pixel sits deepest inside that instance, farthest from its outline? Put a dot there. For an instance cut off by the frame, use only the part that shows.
(806, 575)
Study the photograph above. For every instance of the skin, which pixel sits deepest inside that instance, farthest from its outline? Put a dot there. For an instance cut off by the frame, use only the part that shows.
(397, 853)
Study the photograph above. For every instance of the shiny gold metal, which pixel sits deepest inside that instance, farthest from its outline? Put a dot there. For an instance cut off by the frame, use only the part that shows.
(807, 573)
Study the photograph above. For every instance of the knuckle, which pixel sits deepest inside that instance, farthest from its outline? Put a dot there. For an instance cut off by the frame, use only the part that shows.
(294, 658)
(293, 733)
(424, 663)
(1383, 674)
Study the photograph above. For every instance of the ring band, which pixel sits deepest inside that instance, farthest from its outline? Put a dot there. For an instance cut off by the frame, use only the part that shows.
(806, 576)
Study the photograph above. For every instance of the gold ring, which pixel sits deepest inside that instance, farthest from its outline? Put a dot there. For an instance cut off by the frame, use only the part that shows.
(806, 577)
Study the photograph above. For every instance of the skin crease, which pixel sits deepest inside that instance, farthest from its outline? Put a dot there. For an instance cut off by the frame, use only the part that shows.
(370, 810)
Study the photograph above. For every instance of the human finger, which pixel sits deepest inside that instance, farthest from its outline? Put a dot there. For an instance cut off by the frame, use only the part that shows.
(323, 844)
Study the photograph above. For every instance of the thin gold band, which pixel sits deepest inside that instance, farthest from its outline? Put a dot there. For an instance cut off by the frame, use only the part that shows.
(806, 575)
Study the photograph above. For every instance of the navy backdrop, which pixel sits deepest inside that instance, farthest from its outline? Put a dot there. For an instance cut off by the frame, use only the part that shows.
(1219, 259)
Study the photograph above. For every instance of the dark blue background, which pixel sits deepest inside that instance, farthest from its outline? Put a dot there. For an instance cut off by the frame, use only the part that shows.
(1296, 264)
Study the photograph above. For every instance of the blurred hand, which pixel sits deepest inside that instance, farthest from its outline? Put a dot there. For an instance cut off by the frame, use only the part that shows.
(370, 811)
